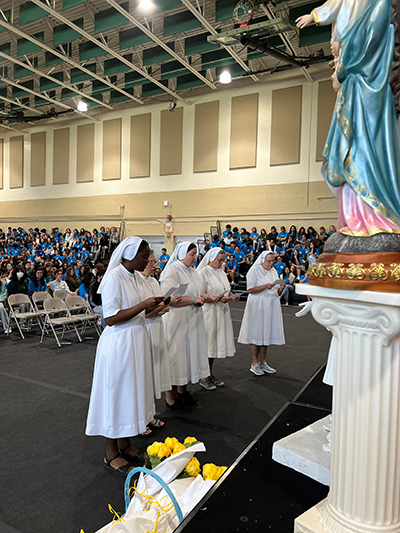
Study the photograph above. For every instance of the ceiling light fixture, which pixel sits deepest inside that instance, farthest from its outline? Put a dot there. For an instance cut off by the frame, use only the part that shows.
(225, 77)
(82, 106)
(146, 4)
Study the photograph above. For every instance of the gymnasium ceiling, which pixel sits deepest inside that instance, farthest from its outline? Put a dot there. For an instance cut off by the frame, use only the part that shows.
(54, 54)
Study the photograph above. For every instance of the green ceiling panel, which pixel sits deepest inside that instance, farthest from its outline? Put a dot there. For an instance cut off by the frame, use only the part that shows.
(132, 37)
(51, 59)
(29, 12)
(156, 55)
(64, 34)
(312, 34)
(7, 15)
(224, 10)
(46, 84)
(235, 70)
(41, 101)
(116, 97)
(172, 70)
(3, 91)
(72, 3)
(21, 72)
(26, 47)
(114, 65)
(110, 18)
(219, 58)
(132, 79)
(89, 50)
(99, 87)
(179, 23)
(67, 93)
(198, 44)
(152, 89)
(188, 81)
(17, 92)
(16, 107)
(5, 48)
(165, 5)
(78, 75)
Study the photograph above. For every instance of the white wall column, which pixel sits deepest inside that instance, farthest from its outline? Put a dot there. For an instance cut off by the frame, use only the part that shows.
(365, 468)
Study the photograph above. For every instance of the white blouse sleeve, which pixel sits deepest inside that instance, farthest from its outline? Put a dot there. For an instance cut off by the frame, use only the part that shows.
(111, 297)
(171, 280)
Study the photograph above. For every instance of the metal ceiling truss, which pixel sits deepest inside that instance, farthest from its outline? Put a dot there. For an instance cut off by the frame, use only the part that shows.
(107, 49)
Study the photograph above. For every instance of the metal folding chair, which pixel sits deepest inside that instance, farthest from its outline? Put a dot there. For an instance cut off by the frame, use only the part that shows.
(59, 319)
(80, 308)
(61, 293)
(38, 299)
(28, 316)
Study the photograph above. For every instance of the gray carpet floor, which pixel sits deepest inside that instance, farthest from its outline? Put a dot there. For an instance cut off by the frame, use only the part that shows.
(52, 478)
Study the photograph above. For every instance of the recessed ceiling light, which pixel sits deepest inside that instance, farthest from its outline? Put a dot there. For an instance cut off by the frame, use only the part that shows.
(82, 106)
(146, 4)
(225, 77)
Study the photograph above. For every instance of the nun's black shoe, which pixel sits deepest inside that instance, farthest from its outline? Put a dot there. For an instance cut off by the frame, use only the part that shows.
(178, 406)
(187, 398)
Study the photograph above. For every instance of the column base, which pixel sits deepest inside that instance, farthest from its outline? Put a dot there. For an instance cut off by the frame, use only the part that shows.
(309, 522)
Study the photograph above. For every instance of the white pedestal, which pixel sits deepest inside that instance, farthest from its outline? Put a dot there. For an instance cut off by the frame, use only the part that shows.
(365, 459)
(303, 451)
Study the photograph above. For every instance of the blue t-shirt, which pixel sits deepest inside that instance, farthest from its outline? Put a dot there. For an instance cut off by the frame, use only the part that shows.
(239, 256)
(279, 267)
(282, 235)
(230, 265)
(162, 258)
(82, 291)
(303, 277)
(254, 235)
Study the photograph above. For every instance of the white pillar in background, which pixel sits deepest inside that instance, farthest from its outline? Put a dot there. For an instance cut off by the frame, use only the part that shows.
(365, 465)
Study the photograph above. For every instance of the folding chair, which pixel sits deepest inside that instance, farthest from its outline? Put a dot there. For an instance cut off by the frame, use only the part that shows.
(14, 302)
(38, 299)
(80, 308)
(61, 293)
(59, 319)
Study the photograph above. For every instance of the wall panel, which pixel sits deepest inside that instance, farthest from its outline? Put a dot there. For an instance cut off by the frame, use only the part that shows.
(326, 104)
(244, 124)
(16, 162)
(112, 149)
(61, 156)
(171, 141)
(38, 159)
(140, 149)
(85, 153)
(286, 126)
(206, 128)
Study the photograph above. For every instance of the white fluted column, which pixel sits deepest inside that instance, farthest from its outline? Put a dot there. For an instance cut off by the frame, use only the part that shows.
(365, 465)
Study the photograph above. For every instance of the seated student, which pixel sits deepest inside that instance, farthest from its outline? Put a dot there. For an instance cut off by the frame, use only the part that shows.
(332, 230)
(289, 278)
(249, 253)
(254, 235)
(279, 265)
(312, 254)
(240, 258)
(163, 259)
(84, 287)
(38, 282)
(231, 269)
(228, 239)
(246, 239)
(289, 245)
(78, 271)
(304, 241)
(298, 262)
(18, 283)
(235, 232)
(282, 235)
(262, 241)
(322, 232)
(228, 229)
(231, 248)
(280, 250)
(58, 283)
(215, 242)
(3, 298)
(95, 297)
(293, 232)
(198, 260)
(310, 233)
(72, 279)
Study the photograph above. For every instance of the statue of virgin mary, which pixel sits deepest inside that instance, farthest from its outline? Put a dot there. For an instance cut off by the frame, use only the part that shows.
(361, 155)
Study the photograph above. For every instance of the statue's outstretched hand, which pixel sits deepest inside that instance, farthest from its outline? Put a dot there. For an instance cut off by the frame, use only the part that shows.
(304, 20)
(306, 308)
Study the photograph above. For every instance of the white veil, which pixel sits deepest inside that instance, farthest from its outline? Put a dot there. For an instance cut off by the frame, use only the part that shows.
(127, 249)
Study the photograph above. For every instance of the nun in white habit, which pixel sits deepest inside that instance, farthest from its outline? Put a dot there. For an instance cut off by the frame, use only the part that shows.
(217, 315)
(184, 327)
(121, 400)
(262, 323)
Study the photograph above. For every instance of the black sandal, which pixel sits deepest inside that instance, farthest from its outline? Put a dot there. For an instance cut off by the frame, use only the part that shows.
(137, 459)
(156, 425)
(122, 471)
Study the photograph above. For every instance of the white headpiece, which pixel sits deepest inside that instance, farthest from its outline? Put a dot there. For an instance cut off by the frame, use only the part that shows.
(127, 249)
(260, 259)
(210, 256)
(178, 254)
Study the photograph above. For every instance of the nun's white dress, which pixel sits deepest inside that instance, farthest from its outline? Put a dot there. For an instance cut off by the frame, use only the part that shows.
(217, 316)
(184, 329)
(121, 401)
(262, 323)
(158, 344)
